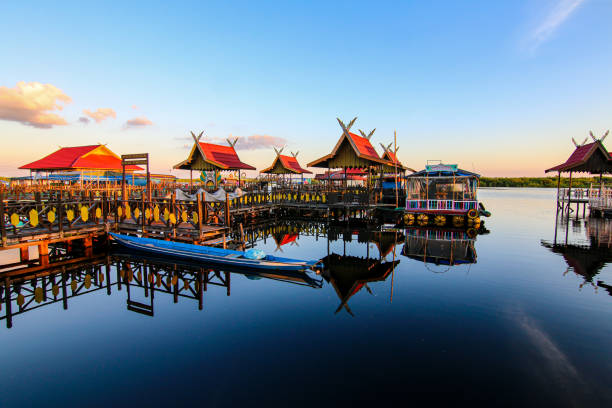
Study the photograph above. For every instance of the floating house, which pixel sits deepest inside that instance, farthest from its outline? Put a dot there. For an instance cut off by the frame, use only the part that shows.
(442, 194)
(212, 157)
(90, 162)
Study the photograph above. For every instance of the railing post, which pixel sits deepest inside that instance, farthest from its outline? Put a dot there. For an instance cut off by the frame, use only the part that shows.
(2, 222)
(227, 210)
(200, 196)
(60, 214)
(142, 213)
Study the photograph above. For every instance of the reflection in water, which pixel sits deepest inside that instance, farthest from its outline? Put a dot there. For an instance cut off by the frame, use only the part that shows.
(439, 246)
(586, 250)
(131, 272)
(349, 274)
(142, 276)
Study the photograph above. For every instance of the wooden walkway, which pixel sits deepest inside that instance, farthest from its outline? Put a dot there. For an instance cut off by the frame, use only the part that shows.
(84, 220)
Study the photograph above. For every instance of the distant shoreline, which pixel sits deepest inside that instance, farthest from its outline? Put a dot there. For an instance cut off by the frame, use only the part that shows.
(540, 182)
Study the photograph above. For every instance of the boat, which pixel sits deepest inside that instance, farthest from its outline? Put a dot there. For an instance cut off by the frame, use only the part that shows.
(211, 255)
(299, 278)
(443, 194)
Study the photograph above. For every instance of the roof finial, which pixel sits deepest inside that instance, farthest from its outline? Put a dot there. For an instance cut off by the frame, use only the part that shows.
(232, 144)
(295, 154)
(198, 137)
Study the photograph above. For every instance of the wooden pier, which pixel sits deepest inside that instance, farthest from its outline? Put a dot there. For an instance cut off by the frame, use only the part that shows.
(61, 219)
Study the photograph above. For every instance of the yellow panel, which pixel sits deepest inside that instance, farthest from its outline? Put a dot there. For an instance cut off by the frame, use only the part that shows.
(33, 217)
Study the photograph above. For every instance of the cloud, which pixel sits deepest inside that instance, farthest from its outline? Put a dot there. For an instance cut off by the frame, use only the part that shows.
(138, 122)
(30, 104)
(553, 20)
(101, 114)
(84, 120)
(255, 142)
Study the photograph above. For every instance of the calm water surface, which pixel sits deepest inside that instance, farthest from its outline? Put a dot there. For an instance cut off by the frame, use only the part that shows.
(528, 324)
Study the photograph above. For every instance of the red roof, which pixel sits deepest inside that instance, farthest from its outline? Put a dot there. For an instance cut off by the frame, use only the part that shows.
(96, 157)
(225, 156)
(291, 163)
(364, 146)
(580, 156)
(287, 238)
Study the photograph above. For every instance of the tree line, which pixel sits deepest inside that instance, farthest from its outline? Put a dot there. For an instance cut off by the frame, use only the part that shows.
(550, 182)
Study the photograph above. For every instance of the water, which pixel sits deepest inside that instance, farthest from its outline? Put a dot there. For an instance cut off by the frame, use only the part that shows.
(519, 327)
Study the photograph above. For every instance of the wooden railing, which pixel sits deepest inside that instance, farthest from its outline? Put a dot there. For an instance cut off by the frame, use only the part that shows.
(62, 215)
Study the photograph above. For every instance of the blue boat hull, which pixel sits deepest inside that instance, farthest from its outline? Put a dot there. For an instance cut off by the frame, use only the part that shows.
(211, 255)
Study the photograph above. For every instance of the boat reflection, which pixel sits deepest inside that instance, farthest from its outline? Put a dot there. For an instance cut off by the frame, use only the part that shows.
(586, 251)
(139, 276)
(440, 246)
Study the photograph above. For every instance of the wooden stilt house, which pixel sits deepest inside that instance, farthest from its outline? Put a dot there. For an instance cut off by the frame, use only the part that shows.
(286, 165)
(212, 157)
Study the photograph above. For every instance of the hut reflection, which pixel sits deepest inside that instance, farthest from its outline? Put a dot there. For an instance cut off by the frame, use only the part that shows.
(350, 274)
(586, 251)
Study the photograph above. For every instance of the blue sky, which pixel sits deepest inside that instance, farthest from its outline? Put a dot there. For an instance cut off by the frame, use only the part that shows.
(496, 86)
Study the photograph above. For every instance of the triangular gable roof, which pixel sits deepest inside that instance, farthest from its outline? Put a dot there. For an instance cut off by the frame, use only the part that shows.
(80, 157)
(289, 163)
(349, 274)
(392, 157)
(360, 145)
(221, 157)
(581, 156)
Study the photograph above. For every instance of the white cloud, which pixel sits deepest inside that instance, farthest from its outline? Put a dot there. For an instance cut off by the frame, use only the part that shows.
(553, 20)
(30, 103)
(101, 114)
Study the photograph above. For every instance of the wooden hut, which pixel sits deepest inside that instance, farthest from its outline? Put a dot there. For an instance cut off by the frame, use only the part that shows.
(353, 151)
(212, 157)
(592, 158)
(284, 165)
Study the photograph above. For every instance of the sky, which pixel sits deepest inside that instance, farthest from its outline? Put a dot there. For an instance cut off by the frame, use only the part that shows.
(499, 87)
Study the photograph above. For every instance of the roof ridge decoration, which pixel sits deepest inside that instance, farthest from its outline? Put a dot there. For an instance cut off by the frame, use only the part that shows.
(232, 144)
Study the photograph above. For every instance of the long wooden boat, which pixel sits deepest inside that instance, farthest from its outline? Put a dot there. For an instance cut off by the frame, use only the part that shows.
(212, 255)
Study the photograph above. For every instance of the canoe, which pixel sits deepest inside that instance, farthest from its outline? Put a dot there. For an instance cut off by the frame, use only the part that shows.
(302, 278)
(208, 254)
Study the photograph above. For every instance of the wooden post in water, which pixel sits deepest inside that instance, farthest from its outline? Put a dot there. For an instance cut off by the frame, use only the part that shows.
(558, 189)
(7, 302)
